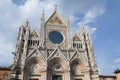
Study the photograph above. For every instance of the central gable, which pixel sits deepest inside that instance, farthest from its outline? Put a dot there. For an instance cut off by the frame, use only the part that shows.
(55, 19)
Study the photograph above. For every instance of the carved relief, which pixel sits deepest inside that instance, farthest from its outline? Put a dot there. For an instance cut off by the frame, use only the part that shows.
(57, 66)
(55, 19)
(34, 68)
(76, 69)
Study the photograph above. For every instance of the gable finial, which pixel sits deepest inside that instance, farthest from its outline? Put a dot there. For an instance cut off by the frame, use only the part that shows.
(55, 7)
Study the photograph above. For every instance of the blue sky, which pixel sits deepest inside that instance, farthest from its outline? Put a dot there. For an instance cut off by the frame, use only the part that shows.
(100, 17)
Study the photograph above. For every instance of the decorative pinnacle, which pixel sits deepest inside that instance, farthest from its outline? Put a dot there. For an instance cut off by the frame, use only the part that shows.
(43, 13)
(83, 29)
(26, 23)
(42, 18)
(55, 7)
(68, 20)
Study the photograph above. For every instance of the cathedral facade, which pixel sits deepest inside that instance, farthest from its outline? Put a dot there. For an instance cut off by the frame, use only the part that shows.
(53, 53)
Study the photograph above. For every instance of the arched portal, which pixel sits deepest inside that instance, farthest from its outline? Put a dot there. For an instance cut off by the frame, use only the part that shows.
(57, 68)
(33, 69)
(77, 69)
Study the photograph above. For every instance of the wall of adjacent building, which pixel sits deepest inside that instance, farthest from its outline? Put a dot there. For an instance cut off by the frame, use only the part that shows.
(118, 76)
(5, 74)
(107, 77)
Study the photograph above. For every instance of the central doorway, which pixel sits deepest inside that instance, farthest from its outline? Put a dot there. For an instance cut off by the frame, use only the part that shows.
(78, 79)
(34, 79)
(56, 77)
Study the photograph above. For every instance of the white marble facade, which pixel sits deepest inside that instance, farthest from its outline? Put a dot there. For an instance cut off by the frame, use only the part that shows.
(53, 53)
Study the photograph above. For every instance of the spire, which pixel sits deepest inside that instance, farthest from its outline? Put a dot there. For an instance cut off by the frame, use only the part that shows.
(43, 16)
(26, 23)
(82, 29)
(42, 28)
(68, 21)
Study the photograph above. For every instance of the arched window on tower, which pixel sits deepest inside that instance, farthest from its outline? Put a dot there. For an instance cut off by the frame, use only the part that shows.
(24, 31)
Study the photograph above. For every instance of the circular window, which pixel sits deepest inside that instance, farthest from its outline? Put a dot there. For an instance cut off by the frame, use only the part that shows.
(55, 37)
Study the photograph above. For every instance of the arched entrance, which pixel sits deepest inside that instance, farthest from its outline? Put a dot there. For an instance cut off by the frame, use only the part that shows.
(56, 69)
(33, 69)
(77, 70)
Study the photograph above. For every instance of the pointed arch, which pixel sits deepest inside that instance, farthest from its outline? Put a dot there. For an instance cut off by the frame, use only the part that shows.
(33, 60)
(77, 67)
(57, 61)
(33, 66)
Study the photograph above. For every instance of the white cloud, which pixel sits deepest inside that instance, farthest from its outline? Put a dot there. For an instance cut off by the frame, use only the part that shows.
(92, 30)
(12, 16)
(6, 47)
(92, 15)
(115, 64)
(117, 60)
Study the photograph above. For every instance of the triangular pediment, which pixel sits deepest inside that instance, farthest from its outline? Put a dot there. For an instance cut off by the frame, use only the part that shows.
(56, 19)
(35, 34)
(57, 53)
(36, 53)
(78, 55)
(76, 37)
